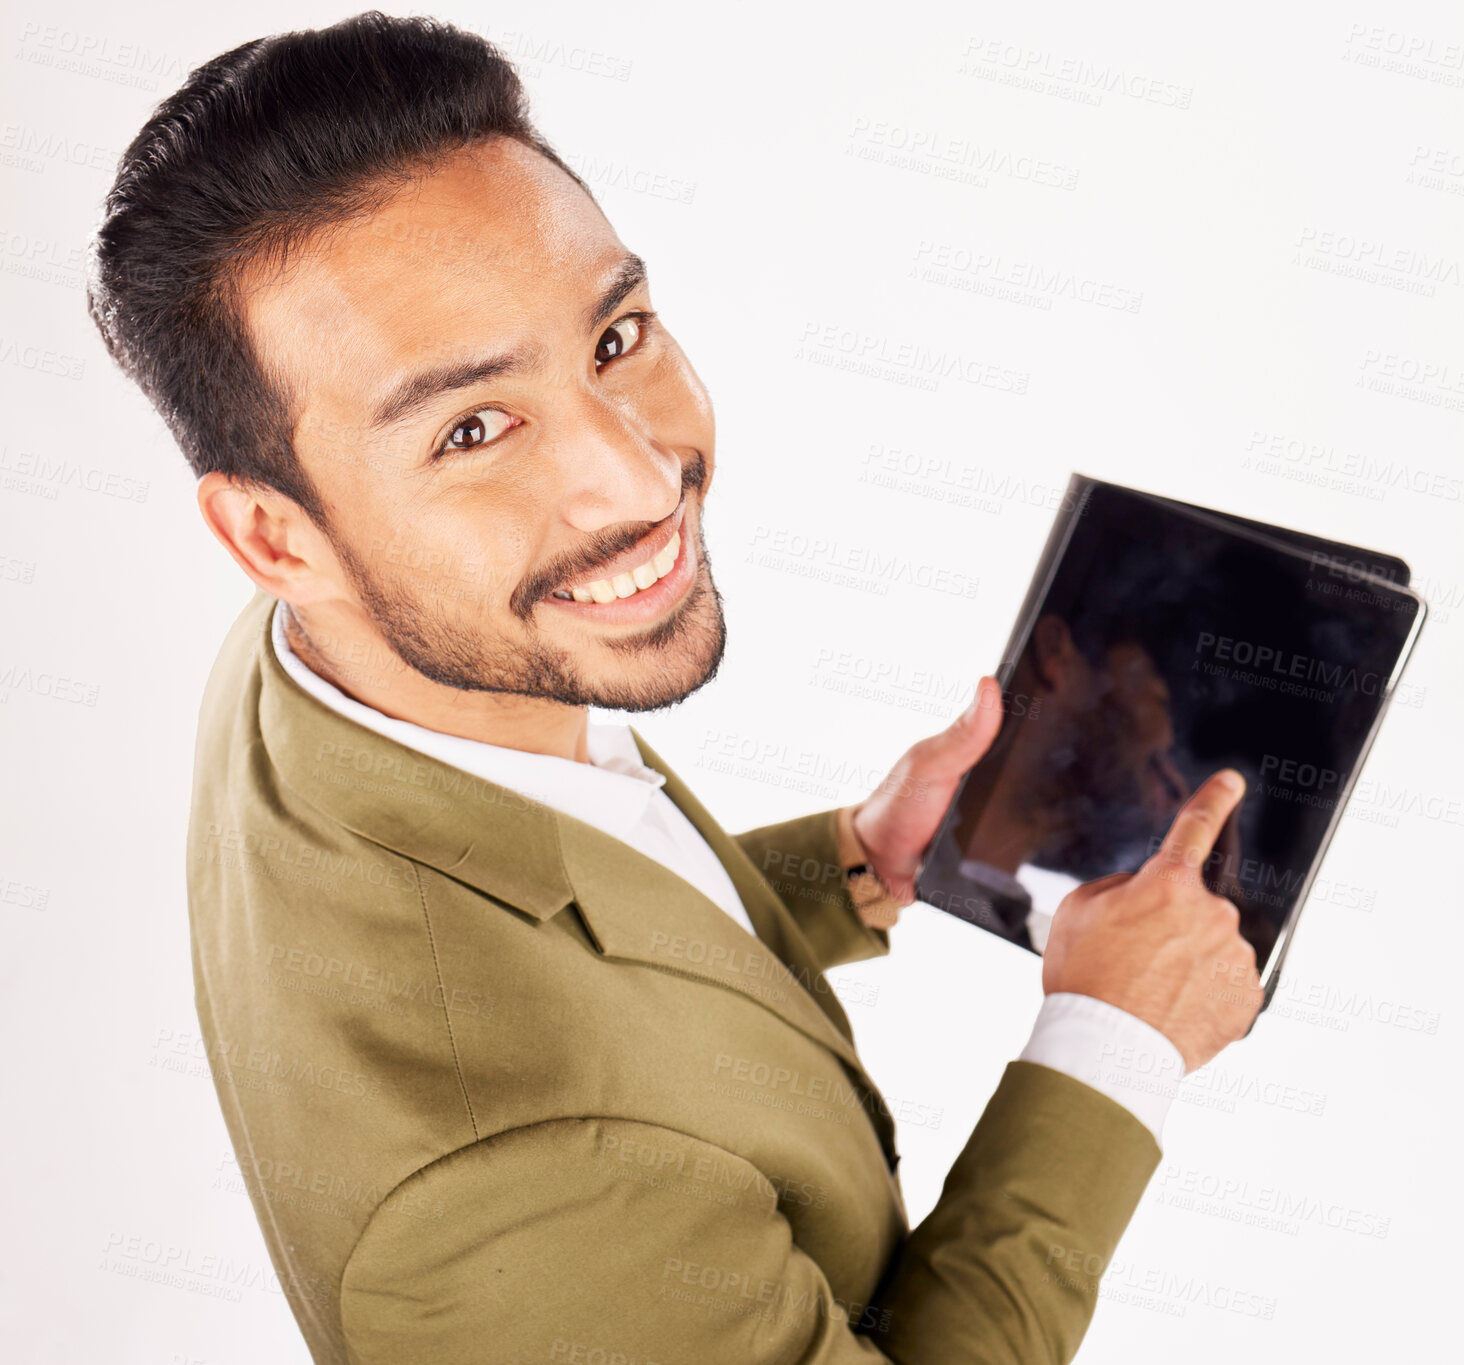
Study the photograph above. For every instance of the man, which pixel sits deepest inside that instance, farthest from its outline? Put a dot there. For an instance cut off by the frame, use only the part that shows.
(522, 1056)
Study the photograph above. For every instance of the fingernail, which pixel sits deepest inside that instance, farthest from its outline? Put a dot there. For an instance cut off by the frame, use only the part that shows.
(1231, 780)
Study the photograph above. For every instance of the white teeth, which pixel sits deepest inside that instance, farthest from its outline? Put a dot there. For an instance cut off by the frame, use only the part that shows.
(667, 557)
(628, 584)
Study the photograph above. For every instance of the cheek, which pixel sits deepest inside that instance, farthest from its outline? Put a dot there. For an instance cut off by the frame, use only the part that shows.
(678, 405)
(477, 543)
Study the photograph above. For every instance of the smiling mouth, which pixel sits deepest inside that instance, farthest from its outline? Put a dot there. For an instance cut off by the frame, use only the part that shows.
(644, 575)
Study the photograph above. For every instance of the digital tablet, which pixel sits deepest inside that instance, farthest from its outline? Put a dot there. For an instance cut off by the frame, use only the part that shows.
(1159, 642)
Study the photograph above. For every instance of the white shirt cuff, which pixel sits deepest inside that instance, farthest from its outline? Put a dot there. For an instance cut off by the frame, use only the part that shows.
(1110, 1049)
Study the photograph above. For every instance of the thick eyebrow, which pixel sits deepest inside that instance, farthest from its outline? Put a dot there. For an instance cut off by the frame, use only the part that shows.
(417, 390)
(629, 275)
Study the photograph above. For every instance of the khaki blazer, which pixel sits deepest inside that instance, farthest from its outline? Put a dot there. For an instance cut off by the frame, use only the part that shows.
(503, 1089)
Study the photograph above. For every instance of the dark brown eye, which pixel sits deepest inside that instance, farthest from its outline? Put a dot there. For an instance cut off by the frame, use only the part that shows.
(468, 434)
(616, 343)
(478, 429)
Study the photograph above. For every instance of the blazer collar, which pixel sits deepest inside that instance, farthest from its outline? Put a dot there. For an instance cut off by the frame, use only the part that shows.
(526, 855)
(639, 910)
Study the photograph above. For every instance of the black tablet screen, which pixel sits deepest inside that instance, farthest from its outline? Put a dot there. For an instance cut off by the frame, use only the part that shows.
(1170, 643)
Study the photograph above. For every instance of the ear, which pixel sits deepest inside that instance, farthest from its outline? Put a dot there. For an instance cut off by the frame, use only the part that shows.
(271, 538)
(1054, 655)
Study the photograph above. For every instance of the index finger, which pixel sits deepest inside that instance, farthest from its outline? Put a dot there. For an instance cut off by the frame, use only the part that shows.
(1196, 826)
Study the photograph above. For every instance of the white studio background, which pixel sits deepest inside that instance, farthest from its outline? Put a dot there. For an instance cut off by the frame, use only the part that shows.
(1229, 271)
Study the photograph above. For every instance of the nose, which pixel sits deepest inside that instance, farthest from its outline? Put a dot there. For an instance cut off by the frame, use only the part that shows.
(609, 466)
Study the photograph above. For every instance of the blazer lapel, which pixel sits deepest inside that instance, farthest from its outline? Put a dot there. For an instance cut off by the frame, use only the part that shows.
(638, 910)
(769, 916)
(777, 929)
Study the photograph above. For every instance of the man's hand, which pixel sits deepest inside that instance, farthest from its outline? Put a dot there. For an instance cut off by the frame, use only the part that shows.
(1160, 945)
(894, 827)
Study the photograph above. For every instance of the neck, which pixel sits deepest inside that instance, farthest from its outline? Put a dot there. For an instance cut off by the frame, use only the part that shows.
(361, 664)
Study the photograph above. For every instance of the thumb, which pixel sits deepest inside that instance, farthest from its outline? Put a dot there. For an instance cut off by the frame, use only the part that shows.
(951, 752)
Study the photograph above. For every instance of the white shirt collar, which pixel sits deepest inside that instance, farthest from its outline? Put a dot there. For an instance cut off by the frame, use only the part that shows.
(611, 791)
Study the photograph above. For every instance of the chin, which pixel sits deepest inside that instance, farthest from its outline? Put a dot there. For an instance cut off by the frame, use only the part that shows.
(666, 663)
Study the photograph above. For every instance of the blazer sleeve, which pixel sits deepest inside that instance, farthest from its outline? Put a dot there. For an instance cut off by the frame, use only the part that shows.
(549, 1248)
(800, 859)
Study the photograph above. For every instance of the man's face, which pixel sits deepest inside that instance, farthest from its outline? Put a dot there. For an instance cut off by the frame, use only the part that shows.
(489, 416)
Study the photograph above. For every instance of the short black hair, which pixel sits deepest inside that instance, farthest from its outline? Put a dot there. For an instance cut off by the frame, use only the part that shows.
(265, 143)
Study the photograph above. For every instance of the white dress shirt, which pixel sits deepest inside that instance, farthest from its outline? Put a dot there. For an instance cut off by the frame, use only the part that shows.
(1089, 1039)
